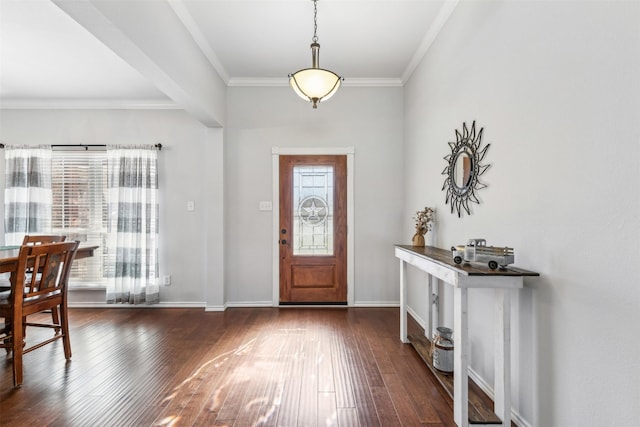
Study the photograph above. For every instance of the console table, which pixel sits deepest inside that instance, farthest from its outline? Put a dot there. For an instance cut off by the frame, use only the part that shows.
(438, 263)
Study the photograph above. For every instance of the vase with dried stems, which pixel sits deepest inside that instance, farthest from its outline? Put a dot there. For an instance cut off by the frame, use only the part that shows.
(424, 220)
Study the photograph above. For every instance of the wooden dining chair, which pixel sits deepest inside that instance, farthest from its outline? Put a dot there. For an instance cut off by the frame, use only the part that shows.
(39, 239)
(39, 284)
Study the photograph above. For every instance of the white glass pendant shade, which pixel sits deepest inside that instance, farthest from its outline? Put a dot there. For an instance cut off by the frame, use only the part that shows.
(315, 84)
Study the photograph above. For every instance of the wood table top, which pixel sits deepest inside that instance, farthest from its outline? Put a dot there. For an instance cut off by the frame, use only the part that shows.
(9, 257)
(444, 258)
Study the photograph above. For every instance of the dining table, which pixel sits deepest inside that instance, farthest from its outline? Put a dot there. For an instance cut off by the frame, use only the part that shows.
(9, 259)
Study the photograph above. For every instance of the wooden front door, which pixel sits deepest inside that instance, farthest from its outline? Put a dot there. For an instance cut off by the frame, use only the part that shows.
(313, 229)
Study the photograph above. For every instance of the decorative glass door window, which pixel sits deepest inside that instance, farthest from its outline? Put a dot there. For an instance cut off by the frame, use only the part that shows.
(313, 214)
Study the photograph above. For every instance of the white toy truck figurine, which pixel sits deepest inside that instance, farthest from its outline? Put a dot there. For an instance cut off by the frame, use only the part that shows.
(477, 250)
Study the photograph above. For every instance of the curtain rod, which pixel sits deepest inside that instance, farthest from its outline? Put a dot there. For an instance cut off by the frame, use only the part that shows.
(158, 146)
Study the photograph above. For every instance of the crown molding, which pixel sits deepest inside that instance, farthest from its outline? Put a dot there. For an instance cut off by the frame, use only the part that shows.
(434, 29)
(87, 104)
(283, 81)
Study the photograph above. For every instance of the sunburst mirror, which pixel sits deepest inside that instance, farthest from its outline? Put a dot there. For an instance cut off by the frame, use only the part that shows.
(464, 169)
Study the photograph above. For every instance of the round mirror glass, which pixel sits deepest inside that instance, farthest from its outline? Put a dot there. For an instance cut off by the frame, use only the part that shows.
(462, 170)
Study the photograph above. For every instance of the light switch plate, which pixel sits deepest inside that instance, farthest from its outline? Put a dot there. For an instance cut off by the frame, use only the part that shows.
(265, 206)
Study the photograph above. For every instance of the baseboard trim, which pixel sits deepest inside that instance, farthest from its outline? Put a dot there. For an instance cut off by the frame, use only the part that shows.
(158, 305)
(376, 304)
(370, 304)
(240, 304)
(215, 308)
(248, 304)
(415, 316)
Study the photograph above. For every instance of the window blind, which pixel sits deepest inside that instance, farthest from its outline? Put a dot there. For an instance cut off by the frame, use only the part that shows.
(79, 184)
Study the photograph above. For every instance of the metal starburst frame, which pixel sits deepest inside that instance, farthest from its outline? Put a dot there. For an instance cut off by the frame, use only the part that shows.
(467, 145)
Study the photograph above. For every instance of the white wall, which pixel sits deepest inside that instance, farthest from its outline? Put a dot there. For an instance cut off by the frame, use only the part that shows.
(230, 241)
(555, 85)
(190, 166)
(370, 120)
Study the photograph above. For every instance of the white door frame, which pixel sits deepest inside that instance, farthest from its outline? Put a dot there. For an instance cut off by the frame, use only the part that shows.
(276, 152)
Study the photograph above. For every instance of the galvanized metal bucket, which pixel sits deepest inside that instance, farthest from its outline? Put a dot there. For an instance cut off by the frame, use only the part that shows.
(442, 349)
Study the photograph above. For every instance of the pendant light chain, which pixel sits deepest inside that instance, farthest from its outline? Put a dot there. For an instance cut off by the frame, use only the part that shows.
(314, 84)
(315, 21)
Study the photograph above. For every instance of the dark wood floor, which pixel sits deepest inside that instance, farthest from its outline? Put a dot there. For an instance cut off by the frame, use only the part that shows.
(244, 367)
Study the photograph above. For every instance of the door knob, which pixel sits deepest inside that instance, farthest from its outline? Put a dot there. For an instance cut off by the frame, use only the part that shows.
(283, 241)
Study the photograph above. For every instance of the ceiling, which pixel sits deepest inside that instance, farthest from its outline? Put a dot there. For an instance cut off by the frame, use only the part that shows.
(58, 50)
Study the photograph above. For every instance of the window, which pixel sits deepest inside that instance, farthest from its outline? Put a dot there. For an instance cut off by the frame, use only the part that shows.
(80, 209)
(105, 197)
(313, 210)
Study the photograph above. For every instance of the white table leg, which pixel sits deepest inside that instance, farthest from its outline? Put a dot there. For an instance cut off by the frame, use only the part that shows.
(502, 367)
(403, 302)
(428, 327)
(460, 358)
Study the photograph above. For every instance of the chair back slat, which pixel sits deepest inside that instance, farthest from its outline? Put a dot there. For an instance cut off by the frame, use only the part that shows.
(41, 239)
(43, 269)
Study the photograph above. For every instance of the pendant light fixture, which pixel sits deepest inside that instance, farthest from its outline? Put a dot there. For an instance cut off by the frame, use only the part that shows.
(315, 84)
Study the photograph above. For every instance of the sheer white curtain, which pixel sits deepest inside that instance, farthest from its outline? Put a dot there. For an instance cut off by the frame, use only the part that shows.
(133, 224)
(27, 193)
